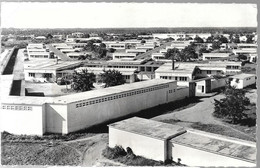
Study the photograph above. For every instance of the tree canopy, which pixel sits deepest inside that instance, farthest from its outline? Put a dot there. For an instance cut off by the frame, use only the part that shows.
(233, 106)
(197, 39)
(173, 53)
(186, 54)
(83, 81)
(112, 78)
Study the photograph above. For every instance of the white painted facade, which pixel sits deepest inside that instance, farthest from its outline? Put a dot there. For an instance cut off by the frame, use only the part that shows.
(160, 141)
(145, 146)
(73, 112)
(209, 56)
(241, 81)
(121, 55)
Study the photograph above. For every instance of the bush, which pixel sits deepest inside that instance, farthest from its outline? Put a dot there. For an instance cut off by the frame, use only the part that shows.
(129, 158)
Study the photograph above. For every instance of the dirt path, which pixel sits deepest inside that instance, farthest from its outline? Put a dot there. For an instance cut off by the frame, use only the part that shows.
(201, 112)
(93, 155)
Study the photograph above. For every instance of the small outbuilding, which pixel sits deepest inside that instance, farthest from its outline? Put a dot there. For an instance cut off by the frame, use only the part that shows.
(241, 81)
(161, 141)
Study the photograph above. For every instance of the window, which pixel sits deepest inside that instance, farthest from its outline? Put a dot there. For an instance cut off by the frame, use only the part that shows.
(32, 74)
(208, 71)
(183, 78)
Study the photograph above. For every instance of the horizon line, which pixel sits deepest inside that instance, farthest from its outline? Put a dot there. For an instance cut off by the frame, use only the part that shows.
(127, 27)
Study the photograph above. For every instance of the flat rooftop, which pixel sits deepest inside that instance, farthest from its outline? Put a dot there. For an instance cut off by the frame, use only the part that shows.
(49, 65)
(242, 76)
(218, 144)
(77, 97)
(150, 128)
(180, 68)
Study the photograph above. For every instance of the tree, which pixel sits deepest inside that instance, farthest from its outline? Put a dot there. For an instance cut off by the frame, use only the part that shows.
(112, 78)
(242, 57)
(173, 53)
(223, 39)
(216, 45)
(210, 39)
(249, 39)
(143, 41)
(49, 36)
(83, 81)
(197, 39)
(189, 53)
(232, 107)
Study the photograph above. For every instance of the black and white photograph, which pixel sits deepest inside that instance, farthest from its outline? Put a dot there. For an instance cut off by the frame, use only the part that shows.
(101, 84)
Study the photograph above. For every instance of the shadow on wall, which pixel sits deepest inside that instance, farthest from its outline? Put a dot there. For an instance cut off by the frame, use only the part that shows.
(54, 120)
(147, 113)
(38, 94)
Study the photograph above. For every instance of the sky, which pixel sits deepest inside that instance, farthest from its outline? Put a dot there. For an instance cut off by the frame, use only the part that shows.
(116, 15)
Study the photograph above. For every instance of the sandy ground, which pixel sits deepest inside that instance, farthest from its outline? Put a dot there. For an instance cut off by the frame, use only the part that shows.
(201, 112)
(49, 89)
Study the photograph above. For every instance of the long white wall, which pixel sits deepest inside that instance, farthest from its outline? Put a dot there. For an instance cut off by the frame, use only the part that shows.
(23, 119)
(86, 116)
(56, 118)
(141, 145)
(195, 157)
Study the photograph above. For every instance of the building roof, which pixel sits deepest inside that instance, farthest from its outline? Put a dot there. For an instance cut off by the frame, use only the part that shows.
(124, 54)
(28, 100)
(216, 54)
(39, 53)
(108, 91)
(218, 144)
(97, 70)
(180, 68)
(150, 128)
(242, 76)
(50, 65)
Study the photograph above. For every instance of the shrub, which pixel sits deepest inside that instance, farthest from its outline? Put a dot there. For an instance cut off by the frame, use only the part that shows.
(129, 158)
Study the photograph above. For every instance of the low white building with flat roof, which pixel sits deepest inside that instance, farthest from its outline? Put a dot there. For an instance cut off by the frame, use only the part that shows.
(122, 55)
(209, 56)
(47, 70)
(69, 113)
(243, 80)
(137, 51)
(162, 141)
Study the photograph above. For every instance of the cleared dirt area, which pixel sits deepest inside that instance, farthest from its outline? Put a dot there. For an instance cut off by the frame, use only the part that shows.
(200, 117)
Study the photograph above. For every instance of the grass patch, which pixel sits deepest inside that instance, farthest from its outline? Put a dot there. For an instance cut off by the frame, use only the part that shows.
(128, 158)
(221, 130)
(7, 137)
(38, 154)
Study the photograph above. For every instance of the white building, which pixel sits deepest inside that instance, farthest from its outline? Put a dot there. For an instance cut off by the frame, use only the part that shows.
(137, 51)
(46, 70)
(241, 81)
(147, 47)
(121, 55)
(160, 141)
(65, 114)
(129, 74)
(117, 46)
(184, 73)
(209, 56)
(158, 56)
(37, 51)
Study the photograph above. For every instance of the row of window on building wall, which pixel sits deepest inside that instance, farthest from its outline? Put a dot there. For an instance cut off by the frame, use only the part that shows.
(9, 107)
(39, 56)
(46, 75)
(122, 95)
(174, 78)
